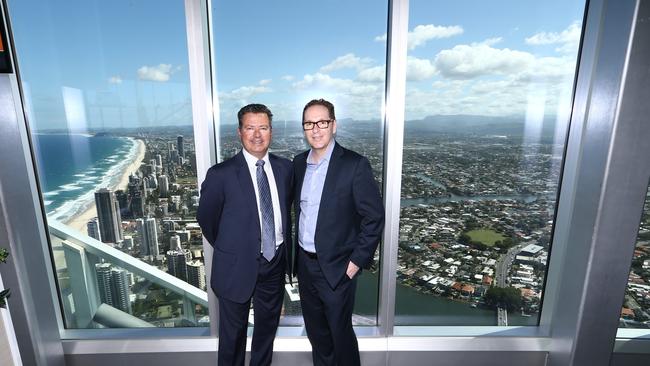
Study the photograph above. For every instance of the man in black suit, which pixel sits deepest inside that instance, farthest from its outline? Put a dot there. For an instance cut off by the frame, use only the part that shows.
(339, 221)
(244, 214)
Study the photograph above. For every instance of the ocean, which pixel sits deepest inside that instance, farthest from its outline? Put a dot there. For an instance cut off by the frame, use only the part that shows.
(71, 167)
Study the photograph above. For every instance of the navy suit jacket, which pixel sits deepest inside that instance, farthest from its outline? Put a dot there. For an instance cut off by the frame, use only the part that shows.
(351, 213)
(229, 219)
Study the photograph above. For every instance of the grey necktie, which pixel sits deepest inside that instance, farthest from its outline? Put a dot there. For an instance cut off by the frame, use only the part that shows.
(266, 207)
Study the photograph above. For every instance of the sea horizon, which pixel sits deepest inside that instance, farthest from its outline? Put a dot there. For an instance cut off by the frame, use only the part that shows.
(73, 166)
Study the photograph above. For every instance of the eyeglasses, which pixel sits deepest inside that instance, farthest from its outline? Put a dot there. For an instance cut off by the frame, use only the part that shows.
(321, 124)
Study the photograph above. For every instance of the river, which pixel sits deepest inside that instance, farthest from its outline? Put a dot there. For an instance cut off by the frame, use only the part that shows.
(415, 308)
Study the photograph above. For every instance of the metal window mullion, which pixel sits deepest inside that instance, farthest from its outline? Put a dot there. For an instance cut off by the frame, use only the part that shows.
(396, 50)
(198, 48)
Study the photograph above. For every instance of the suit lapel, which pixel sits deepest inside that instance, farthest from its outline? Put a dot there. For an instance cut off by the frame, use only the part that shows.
(246, 185)
(329, 186)
(278, 174)
(300, 166)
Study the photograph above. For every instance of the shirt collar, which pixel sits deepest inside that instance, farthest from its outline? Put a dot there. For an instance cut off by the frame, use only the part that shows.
(326, 157)
(251, 160)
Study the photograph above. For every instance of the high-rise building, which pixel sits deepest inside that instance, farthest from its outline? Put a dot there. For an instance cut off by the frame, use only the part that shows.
(196, 274)
(184, 235)
(103, 271)
(175, 242)
(163, 207)
(120, 287)
(148, 231)
(152, 236)
(93, 229)
(158, 160)
(108, 212)
(113, 286)
(163, 185)
(123, 202)
(137, 204)
(169, 225)
(179, 145)
(127, 243)
(177, 259)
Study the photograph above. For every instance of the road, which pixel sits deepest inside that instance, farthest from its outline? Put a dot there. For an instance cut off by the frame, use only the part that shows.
(501, 273)
(503, 264)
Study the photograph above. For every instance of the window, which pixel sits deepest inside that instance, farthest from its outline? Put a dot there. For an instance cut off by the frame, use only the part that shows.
(488, 96)
(635, 312)
(108, 103)
(284, 56)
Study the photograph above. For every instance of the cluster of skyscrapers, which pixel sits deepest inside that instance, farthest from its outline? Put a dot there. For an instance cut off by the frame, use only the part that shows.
(146, 205)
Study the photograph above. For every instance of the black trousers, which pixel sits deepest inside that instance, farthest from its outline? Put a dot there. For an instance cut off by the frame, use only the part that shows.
(267, 304)
(328, 314)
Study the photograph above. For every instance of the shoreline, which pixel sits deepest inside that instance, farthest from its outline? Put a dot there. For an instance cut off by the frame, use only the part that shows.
(78, 222)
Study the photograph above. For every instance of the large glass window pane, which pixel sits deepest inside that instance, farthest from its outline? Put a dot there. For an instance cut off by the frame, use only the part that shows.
(107, 99)
(285, 54)
(488, 95)
(635, 312)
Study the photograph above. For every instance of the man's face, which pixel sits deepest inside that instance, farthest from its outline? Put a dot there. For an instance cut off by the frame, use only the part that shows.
(255, 133)
(319, 138)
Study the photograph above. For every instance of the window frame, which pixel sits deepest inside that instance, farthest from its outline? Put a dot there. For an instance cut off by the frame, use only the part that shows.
(609, 34)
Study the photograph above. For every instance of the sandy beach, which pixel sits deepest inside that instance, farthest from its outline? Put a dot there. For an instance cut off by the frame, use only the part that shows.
(79, 222)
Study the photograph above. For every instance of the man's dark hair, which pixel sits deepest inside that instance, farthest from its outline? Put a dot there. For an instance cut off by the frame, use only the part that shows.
(254, 108)
(324, 103)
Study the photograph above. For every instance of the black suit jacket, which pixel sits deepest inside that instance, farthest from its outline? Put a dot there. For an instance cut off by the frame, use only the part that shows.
(351, 214)
(229, 220)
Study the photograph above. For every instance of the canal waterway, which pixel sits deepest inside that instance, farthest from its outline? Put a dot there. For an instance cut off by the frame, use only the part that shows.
(416, 308)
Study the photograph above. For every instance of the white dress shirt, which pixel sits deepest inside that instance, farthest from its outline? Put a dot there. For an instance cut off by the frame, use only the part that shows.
(277, 214)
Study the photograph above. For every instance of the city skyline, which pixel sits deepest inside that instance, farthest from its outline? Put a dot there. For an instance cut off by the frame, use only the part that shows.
(458, 62)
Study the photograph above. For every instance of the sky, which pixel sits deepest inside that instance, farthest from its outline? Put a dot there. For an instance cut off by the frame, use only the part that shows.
(104, 64)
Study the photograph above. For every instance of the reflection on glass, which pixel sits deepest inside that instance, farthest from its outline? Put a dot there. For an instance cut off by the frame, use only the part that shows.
(486, 117)
(109, 112)
(636, 305)
(305, 50)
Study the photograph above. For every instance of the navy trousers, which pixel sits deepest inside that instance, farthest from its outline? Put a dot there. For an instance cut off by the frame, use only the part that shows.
(267, 304)
(328, 314)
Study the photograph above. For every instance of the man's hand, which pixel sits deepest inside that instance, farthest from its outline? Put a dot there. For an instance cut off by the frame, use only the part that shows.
(352, 270)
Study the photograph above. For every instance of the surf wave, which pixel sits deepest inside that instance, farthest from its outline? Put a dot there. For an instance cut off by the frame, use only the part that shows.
(104, 174)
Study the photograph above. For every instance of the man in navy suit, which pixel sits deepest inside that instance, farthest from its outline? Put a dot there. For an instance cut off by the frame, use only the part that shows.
(244, 214)
(339, 221)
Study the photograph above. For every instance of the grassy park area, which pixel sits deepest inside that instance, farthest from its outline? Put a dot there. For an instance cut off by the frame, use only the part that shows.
(485, 236)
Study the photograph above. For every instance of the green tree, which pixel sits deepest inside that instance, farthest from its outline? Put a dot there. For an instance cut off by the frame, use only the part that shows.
(506, 297)
(4, 294)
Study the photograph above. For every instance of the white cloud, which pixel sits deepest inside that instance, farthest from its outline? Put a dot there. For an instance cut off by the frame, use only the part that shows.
(567, 40)
(418, 69)
(477, 59)
(287, 77)
(326, 82)
(545, 84)
(423, 33)
(115, 80)
(549, 69)
(265, 81)
(161, 72)
(373, 74)
(245, 92)
(353, 98)
(482, 79)
(348, 61)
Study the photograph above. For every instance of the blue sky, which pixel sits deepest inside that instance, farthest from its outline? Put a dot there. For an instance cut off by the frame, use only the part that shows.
(128, 59)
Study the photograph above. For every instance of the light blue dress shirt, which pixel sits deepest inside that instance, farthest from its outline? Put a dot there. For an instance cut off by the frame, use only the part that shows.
(310, 196)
